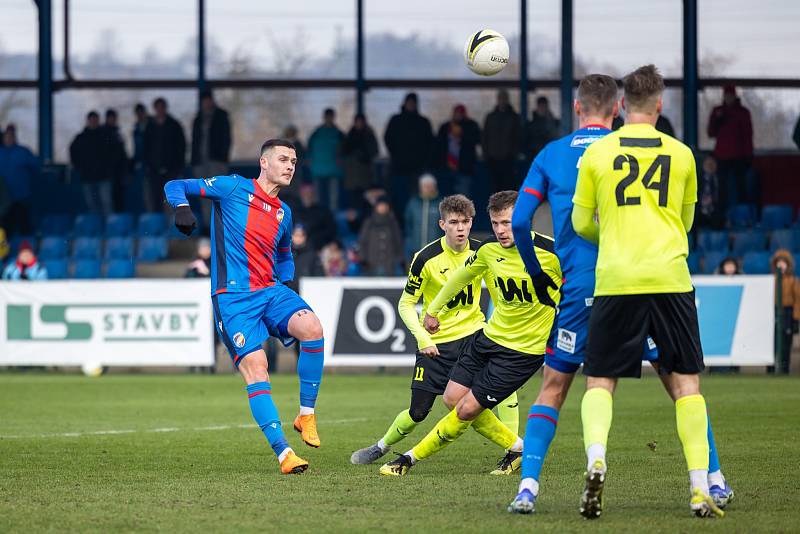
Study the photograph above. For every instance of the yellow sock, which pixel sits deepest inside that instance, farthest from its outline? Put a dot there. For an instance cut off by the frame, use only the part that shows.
(596, 413)
(447, 430)
(508, 413)
(690, 412)
(489, 426)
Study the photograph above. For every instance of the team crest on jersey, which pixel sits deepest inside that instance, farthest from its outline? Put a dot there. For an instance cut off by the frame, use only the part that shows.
(279, 214)
(250, 197)
(238, 340)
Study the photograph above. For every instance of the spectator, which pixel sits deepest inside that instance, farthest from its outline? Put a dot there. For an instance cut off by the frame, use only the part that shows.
(291, 194)
(324, 147)
(409, 140)
(708, 206)
(87, 155)
(501, 141)
(455, 149)
(729, 267)
(380, 242)
(664, 126)
(353, 260)
(540, 130)
(19, 168)
(115, 159)
(141, 120)
(164, 153)
(796, 134)
(201, 265)
(306, 259)
(333, 259)
(358, 151)
(422, 216)
(730, 124)
(783, 263)
(27, 267)
(211, 144)
(316, 218)
(4, 246)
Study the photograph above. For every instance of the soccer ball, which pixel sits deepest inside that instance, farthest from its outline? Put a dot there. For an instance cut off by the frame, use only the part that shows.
(92, 369)
(486, 52)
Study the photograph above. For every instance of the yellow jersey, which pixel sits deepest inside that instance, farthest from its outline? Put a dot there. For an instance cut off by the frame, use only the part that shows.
(430, 269)
(639, 180)
(519, 321)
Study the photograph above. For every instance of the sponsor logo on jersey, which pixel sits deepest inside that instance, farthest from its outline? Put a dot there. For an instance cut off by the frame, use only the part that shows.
(238, 340)
(582, 141)
(566, 340)
(589, 302)
(210, 181)
(650, 343)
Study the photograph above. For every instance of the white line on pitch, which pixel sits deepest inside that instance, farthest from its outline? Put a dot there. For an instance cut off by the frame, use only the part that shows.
(165, 430)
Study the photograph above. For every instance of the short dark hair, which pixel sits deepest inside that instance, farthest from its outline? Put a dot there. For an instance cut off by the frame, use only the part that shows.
(139, 107)
(93, 114)
(642, 88)
(329, 111)
(501, 200)
(206, 93)
(160, 100)
(458, 204)
(542, 100)
(111, 112)
(270, 143)
(410, 96)
(597, 93)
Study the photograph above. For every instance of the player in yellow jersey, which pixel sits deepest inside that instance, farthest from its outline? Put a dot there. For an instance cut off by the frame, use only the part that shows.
(507, 352)
(461, 318)
(642, 185)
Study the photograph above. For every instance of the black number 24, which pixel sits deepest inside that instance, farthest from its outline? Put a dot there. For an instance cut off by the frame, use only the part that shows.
(661, 163)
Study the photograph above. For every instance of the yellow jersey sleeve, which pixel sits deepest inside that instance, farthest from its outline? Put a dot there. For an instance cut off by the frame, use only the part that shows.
(690, 193)
(415, 286)
(585, 188)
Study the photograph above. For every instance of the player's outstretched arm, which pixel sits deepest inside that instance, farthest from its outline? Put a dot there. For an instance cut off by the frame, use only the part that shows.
(531, 195)
(584, 223)
(460, 278)
(178, 191)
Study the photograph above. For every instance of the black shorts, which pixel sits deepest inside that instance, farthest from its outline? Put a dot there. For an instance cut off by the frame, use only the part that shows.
(493, 372)
(620, 324)
(432, 374)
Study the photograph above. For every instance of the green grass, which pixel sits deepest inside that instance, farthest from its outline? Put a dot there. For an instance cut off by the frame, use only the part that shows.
(228, 480)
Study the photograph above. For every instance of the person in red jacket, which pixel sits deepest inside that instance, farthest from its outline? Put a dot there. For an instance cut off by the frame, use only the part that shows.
(730, 124)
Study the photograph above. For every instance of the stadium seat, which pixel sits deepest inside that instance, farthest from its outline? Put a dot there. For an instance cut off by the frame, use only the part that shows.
(56, 225)
(756, 263)
(748, 241)
(53, 248)
(56, 269)
(692, 241)
(786, 238)
(121, 269)
(119, 248)
(742, 216)
(694, 263)
(152, 224)
(776, 216)
(119, 225)
(152, 249)
(85, 269)
(711, 261)
(88, 225)
(708, 241)
(86, 248)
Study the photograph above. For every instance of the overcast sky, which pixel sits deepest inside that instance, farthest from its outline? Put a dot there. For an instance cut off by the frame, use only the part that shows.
(758, 38)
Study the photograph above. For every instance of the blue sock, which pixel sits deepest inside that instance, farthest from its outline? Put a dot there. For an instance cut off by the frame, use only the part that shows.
(713, 459)
(309, 369)
(539, 432)
(266, 415)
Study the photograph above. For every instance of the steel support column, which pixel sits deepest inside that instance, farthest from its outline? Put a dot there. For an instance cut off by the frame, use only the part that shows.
(567, 75)
(690, 74)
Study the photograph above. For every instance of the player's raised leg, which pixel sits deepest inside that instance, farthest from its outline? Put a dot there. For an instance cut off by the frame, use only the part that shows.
(306, 328)
(596, 416)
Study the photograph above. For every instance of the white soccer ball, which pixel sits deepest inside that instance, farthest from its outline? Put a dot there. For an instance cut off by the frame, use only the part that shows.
(486, 52)
(92, 369)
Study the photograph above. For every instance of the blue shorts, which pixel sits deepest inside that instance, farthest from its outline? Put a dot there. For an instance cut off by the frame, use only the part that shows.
(246, 320)
(567, 345)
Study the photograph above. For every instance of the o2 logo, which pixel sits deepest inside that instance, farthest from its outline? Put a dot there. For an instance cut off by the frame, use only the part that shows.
(370, 324)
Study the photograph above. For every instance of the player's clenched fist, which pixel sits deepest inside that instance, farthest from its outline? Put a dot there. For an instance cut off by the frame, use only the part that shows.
(185, 221)
(431, 351)
(431, 323)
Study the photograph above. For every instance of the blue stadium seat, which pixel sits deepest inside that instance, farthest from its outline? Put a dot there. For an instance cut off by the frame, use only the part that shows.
(694, 262)
(121, 269)
(776, 216)
(56, 269)
(692, 241)
(152, 224)
(152, 249)
(708, 241)
(119, 248)
(756, 263)
(56, 225)
(748, 241)
(88, 225)
(86, 248)
(119, 225)
(53, 248)
(86, 269)
(786, 238)
(742, 216)
(711, 261)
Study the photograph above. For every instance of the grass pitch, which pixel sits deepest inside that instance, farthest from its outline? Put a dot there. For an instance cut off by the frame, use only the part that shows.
(180, 453)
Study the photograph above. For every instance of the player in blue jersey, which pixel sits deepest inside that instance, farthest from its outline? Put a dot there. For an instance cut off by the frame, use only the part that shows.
(251, 259)
(553, 175)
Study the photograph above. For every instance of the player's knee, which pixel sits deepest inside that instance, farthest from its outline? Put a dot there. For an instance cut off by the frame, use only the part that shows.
(468, 408)
(418, 413)
(308, 327)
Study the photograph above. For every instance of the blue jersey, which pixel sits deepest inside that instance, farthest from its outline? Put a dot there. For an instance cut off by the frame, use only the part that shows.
(553, 176)
(251, 232)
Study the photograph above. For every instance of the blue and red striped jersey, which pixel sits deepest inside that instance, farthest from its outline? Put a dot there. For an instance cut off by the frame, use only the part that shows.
(251, 232)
